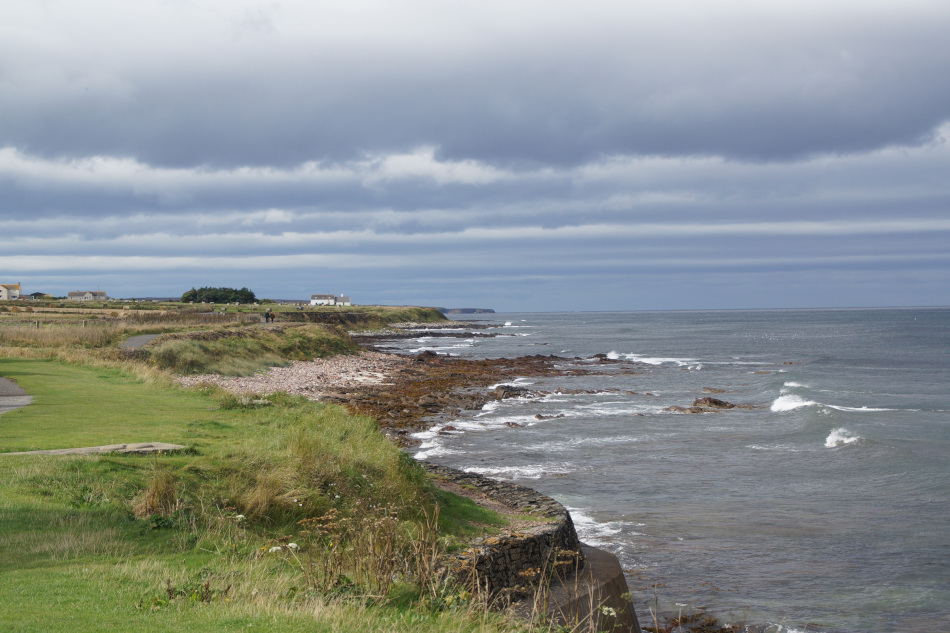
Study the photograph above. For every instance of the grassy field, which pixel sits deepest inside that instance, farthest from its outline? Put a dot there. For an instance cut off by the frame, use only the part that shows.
(282, 514)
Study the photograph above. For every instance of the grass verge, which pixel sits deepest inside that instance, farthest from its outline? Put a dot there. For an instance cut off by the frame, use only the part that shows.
(283, 514)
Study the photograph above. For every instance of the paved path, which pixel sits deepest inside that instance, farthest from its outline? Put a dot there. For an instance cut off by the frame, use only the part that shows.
(12, 396)
(135, 342)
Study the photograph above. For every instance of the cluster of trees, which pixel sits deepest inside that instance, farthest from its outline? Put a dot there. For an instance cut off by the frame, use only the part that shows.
(219, 295)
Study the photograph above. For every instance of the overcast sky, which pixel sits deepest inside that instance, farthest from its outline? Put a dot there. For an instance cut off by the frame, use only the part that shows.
(517, 155)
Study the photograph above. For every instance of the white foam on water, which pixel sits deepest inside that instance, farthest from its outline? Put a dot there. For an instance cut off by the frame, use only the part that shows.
(789, 402)
(490, 424)
(613, 355)
(530, 471)
(859, 409)
(567, 445)
(435, 451)
(442, 348)
(489, 408)
(841, 437)
(777, 448)
(594, 532)
(517, 382)
(792, 383)
(605, 410)
(661, 360)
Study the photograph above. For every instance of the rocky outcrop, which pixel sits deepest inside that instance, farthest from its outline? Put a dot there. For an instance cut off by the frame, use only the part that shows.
(713, 403)
(542, 567)
(707, 404)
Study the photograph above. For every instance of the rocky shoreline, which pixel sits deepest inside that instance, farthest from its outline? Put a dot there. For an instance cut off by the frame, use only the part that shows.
(403, 393)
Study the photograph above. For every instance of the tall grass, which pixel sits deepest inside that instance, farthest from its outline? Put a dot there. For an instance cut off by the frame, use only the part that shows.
(242, 351)
(99, 334)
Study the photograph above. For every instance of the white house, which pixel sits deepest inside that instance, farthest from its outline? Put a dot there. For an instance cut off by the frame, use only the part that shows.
(87, 295)
(8, 292)
(330, 300)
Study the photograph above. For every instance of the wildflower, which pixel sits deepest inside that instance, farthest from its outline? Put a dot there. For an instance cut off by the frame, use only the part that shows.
(293, 546)
(275, 549)
(240, 517)
(609, 611)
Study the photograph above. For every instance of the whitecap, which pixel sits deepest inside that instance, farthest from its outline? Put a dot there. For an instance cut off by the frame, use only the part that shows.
(613, 355)
(595, 532)
(660, 360)
(792, 383)
(859, 409)
(433, 450)
(790, 403)
(840, 437)
(530, 471)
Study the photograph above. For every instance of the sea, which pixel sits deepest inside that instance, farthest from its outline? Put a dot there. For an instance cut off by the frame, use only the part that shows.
(822, 504)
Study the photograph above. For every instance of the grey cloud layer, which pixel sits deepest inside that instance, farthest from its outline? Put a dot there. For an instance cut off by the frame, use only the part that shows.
(728, 154)
(181, 84)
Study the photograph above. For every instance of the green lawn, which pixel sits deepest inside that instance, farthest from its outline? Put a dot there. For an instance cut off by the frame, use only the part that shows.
(76, 406)
(78, 553)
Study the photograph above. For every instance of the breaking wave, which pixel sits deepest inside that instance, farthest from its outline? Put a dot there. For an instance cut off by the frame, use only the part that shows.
(530, 471)
(790, 402)
(841, 437)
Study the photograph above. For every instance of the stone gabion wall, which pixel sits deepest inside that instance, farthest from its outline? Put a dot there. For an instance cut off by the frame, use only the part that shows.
(512, 563)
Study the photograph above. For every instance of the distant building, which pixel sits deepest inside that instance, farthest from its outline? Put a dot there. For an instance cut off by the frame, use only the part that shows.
(330, 300)
(87, 295)
(39, 295)
(9, 292)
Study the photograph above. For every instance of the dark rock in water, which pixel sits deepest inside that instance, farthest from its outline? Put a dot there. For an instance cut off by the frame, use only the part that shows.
(714, 403)
(426, 356)
(514, 425)
(713, 390)
(677, 409)
(503, 392)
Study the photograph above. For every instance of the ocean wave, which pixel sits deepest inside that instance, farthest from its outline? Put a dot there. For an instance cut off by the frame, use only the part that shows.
(859, 409)
(789, 402)
(660, 360)
(442, 348)
(530, 471)
(433, 449)
(598, 533)
(841, 437)
(569, 445)
(779, 448)
(491, 424)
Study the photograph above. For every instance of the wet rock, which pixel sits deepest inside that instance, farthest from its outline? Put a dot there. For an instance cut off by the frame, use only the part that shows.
(503, 392)
(677, 409)
(713, 403)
